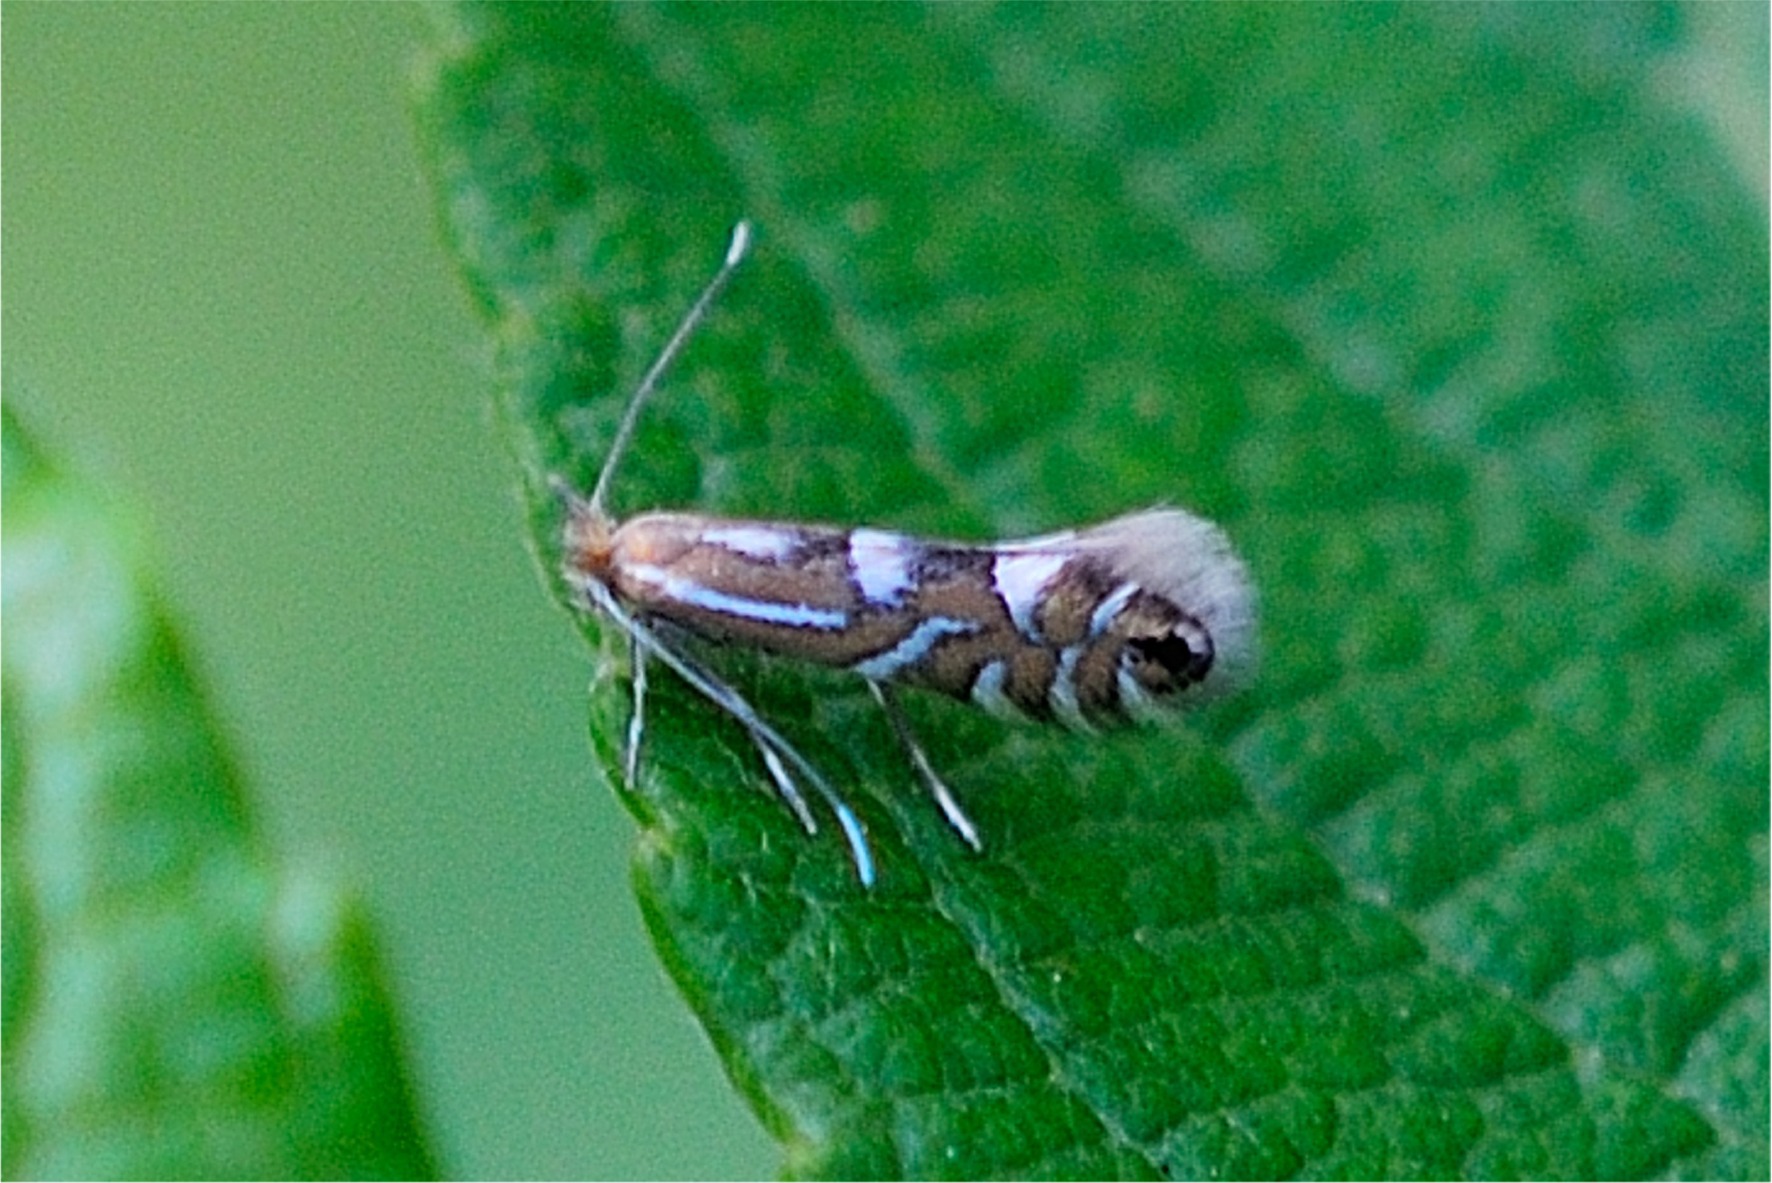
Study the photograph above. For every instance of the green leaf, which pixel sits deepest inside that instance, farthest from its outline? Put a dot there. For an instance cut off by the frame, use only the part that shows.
(176, 1004)
(1454, 316)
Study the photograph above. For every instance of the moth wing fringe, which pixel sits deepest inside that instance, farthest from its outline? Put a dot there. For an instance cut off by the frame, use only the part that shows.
(1185, 559)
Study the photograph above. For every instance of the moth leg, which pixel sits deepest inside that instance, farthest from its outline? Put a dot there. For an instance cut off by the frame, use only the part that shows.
(777, 753)
(770, 743)
(734, 704)
(637, 719)
(938, 788)
(784, 783)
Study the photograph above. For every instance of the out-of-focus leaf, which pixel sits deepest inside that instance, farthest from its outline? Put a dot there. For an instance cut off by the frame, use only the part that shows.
(176, 1006)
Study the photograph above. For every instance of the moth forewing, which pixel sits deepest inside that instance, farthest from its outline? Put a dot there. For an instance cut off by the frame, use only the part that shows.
(1123, 620)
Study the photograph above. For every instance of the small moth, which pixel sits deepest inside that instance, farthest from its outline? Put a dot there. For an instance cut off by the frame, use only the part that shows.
(1120, 621)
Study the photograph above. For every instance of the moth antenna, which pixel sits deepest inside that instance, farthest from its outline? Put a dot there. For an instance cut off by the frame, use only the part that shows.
(735, 253)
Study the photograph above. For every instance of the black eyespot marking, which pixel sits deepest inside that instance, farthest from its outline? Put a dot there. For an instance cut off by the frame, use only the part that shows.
(1173, 660)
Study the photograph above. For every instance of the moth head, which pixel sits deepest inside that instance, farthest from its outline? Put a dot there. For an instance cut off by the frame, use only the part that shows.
(586, 539)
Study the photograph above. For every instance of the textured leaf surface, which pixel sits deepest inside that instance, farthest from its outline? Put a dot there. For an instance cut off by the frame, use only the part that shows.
(1453, 319)
(175, 1006)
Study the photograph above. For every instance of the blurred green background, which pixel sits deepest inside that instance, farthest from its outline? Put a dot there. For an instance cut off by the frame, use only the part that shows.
(227, 300)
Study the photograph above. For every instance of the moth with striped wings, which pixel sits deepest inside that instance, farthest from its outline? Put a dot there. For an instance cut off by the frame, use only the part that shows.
(1093, 627)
